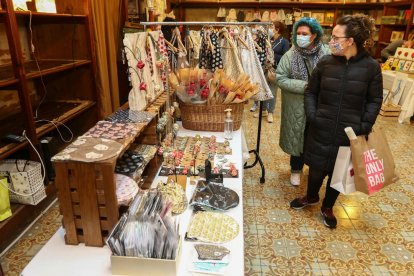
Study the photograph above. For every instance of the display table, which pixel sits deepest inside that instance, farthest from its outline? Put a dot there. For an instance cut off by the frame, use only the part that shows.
(57, 258)
(406, 100)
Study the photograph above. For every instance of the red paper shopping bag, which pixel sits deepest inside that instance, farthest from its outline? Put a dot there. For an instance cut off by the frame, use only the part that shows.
(373, 162)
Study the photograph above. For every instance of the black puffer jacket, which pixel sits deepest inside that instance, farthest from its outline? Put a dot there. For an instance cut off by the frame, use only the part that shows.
(339, 94)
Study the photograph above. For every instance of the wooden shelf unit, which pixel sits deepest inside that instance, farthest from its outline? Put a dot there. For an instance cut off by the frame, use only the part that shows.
(51, 111)
(394, 8)
(50, 15)
(32, 70)
(273, 4)
(51, 66)
(335, 7)
(54, 80)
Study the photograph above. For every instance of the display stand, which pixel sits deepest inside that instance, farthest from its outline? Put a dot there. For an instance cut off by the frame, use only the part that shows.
(87, 195)
(95, 261)
(255, 151)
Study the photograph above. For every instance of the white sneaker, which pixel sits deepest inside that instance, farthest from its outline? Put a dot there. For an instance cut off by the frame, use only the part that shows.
(270, 117)
(295, 179)
(264, 114)
(253, 108)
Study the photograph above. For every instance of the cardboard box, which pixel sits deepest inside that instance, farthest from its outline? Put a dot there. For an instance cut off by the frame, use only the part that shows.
(121, 265)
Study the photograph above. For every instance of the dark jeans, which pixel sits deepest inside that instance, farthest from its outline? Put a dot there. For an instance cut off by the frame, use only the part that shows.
(315, 180)
(296, 163)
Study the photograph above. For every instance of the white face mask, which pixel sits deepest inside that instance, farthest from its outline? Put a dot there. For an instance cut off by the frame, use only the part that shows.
(271, 33)
(303, 41)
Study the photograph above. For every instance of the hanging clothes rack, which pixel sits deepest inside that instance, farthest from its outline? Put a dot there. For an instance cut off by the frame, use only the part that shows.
(255, 151)
(204, 23)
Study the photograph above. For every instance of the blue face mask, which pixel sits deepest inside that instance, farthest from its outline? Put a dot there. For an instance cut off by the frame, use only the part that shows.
(303, 41)
(271, 33)
(254, 31)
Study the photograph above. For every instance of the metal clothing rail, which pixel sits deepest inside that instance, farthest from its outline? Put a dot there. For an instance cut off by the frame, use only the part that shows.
(195, 23)
(259, 128)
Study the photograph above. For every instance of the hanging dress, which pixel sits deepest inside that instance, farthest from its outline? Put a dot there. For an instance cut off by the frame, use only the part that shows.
(253, 68)
(261, 42)
(195, 38)
(142, 86)
(231, 61)
(164, 53)
(154, 57)
(210, 55)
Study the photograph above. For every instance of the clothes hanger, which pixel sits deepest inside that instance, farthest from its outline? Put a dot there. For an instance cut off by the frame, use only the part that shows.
(172, 48)
(258, 48)
(238, 38)
(181, 46)
(224, 33)
(208, 38)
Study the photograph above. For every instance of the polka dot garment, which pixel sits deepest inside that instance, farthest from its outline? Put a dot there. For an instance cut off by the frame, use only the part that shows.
(261, 41)
(210, 59)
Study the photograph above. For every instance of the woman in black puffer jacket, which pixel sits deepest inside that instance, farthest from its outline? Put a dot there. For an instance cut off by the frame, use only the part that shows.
(345, 90)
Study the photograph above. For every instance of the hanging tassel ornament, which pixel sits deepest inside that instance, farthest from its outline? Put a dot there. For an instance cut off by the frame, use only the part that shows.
(140, 64)
(143, 86)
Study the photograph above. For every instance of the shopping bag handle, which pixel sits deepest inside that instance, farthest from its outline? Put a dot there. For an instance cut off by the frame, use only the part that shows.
(17, 166)
(24, 168)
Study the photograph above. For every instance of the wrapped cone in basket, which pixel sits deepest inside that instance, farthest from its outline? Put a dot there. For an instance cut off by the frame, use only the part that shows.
(230, 97)
(237, 100)
(184, 75)
(203, 86)
(173, 80)
(194, 76)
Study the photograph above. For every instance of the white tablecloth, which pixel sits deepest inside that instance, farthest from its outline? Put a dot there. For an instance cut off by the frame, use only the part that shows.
(57, 258)
(407, 97)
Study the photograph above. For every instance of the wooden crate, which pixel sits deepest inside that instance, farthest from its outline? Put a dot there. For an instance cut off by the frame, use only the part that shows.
(88, 203)
(87, 191)
(390, 111)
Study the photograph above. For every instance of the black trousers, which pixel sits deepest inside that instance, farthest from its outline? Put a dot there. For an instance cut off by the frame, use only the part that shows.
(315, 181)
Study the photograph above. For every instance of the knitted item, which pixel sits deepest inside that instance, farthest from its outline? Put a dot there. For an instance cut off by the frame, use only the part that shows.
(256, 15)
(241, 16)
(266, 16)
(273, 16)
(249, 16)
(221, 12)
(232, 16)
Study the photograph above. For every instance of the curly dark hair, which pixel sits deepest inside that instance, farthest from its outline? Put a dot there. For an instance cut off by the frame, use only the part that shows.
(360, 27)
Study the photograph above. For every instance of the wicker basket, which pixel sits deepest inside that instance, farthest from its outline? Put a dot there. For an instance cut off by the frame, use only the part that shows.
(209, 117)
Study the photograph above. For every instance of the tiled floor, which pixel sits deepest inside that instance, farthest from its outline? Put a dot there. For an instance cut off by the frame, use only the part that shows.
(375, 235)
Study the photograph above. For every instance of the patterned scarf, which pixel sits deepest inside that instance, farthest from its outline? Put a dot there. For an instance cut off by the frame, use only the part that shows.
(299, 71)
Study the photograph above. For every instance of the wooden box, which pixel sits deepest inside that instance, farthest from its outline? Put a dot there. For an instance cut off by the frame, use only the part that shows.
(87, 192)
(88, 203)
